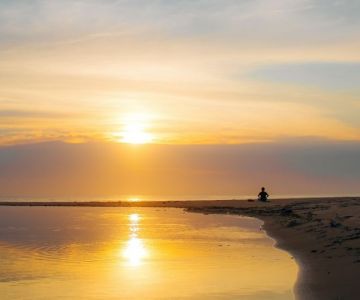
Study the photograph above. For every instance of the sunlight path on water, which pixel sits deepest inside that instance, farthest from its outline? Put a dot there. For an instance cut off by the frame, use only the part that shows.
(135, 250)
(138, 253)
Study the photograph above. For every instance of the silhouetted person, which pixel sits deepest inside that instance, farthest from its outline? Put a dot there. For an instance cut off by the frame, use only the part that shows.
(263, 195)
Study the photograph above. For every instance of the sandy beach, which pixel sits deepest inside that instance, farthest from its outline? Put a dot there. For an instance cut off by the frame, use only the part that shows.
(322, 234)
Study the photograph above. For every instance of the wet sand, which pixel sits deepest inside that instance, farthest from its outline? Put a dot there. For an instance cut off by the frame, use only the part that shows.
(322, 234)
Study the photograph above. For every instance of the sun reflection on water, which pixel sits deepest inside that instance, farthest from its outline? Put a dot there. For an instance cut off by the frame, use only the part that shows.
(134, 219)
(134, 251)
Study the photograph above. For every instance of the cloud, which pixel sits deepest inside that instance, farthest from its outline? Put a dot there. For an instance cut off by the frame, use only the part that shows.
(30, 114)
(286, 167)
(329, 76)
(92, 62)
(247, 20)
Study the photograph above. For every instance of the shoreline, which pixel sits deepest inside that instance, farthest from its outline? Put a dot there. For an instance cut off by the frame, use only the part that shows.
(322, 234)
(180, 203)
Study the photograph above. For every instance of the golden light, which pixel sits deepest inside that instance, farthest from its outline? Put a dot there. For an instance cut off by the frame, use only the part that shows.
(134, 218)
(134, 250)
(134, 131)
(134, 199)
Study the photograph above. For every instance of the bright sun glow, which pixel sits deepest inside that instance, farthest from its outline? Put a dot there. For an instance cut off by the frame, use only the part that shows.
(134, 218)
(134, 199)
(134, 131)
(134, 251)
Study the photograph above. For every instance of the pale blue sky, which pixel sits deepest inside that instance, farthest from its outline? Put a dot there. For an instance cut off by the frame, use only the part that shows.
(332, 75)
(283, 21)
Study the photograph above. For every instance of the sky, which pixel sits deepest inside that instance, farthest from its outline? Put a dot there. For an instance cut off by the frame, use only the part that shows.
(176, 75)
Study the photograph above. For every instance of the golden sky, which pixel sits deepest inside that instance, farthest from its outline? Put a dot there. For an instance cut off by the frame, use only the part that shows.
(178, 72)
(281, 76)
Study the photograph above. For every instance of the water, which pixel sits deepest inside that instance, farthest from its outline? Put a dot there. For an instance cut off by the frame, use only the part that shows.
(137, 198)
(138, 253)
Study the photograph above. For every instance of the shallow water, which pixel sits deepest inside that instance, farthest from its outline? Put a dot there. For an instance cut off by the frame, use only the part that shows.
(138, 253)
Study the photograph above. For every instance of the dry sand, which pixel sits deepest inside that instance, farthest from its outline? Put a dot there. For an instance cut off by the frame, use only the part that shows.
(322, 234)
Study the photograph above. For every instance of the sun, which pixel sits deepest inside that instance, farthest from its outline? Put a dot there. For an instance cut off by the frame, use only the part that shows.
(135, 130)
(136, 134)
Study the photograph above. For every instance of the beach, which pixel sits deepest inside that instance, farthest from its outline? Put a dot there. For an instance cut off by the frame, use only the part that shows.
(182, 150)
(322, 234)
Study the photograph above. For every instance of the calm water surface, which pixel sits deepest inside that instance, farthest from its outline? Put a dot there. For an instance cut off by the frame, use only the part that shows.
(138, 253)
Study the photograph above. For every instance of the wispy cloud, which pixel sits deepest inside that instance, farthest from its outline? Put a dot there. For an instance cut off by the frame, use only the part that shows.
(331, 75)
(89, 63)
(31, 114)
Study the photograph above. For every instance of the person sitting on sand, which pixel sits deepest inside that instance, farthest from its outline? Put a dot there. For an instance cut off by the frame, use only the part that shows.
(263, 195)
